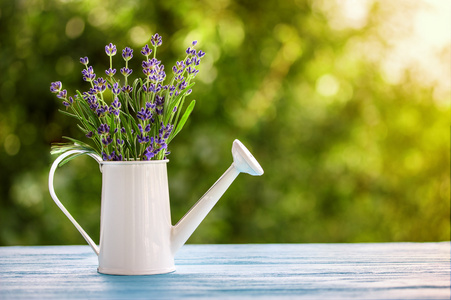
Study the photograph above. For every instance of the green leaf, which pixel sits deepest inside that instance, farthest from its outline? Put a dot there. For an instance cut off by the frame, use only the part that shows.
(60, 148)
(173, 103)
(137, 93)
(68, 114)
(183, 120)
(129, 121)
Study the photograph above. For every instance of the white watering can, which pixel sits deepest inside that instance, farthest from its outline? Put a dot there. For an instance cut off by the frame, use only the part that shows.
(136, 232)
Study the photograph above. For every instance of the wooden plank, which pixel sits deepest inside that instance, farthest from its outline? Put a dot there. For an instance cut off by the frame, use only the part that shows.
(301, 271)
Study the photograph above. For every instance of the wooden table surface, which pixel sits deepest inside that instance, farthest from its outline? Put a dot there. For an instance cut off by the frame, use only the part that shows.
(295, 271)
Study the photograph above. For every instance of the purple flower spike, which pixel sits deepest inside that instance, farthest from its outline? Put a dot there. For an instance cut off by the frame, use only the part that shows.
(127, 53)
(127, 89)
(62, 94)
(116, 89)
(146, 51)
(126, 71)
(84, 60)
(190, 70)
(149, 153)
(110, 72)
(100, 81)
(182, 85)
(150, 105)
(144, 114)
(101, 111)
(110, 49)
(200, 53)
(105, 156)
(88, 74)
(194, 43)
(107, 140)
(103, 129)
(159, 100)
(156, 40)
(55, 87)
(142, 139)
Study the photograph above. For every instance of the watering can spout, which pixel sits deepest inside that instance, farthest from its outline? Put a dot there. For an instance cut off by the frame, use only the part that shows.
(243, 162)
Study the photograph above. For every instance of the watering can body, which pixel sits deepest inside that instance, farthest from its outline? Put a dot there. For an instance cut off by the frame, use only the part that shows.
(135, 224)
(136, 233)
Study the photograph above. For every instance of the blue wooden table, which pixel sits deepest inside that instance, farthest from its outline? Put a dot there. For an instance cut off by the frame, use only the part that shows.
(300, 271)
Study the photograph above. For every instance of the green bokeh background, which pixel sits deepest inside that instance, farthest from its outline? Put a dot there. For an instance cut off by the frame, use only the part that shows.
(349, 155)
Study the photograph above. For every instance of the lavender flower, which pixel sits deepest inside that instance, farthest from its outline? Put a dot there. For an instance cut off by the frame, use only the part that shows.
(92, 101)
(144, 114)
(110, 49)
(195, 60)
(103, 129)
(149, 152)
(115, 107)
(115, 89)
(142, 139)
(105, 156)
(55, 87)
(146, 51)
(127, 89)
(191, 70)
(147, 89)
(107, 140)
(100, 85)
(159, 100)
(101, 111)
(84, 60)
(127, 53)
(126, 71)
(116, 157)
(110, 72)
(178, 68)
(112, 157)
(156, 40)
(150, 105)
(183, 85)
(200, 53)
(68, 102)
(62, 94)
(132, 124)
(88, 74)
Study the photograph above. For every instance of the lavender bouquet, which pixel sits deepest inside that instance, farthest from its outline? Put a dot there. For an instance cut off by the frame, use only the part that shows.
(127, 120)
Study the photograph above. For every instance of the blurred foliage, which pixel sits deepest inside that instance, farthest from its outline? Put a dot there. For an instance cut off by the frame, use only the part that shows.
(349, 155)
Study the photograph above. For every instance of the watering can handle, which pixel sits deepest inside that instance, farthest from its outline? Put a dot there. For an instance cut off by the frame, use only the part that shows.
(58, 202)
